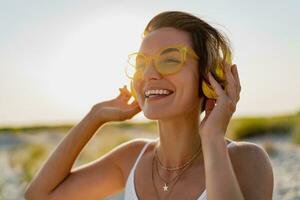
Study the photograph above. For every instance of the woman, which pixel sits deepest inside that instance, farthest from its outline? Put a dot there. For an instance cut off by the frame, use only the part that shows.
(178, 52)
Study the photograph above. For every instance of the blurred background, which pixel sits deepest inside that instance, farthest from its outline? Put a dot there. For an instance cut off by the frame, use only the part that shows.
(59, 58)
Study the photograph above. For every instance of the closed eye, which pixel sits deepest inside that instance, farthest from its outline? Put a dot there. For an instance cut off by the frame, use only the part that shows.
(170, 61)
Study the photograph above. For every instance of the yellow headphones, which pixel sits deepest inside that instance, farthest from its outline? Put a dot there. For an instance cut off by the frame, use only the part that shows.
(207, 88)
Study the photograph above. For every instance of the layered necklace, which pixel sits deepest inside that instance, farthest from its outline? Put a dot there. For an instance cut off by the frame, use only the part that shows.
(174, 180)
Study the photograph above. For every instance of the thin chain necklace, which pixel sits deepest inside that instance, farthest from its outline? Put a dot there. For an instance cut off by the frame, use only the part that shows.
(167, 184)
(169, 191)
(179, 167)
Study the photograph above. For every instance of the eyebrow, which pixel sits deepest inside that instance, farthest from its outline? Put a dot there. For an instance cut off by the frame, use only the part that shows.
(167, 50)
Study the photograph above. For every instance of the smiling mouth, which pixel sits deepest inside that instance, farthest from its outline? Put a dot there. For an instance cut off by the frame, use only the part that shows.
(157, 93)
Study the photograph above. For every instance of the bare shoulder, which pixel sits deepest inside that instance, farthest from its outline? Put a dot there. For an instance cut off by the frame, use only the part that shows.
(126, 154)
(248, 152)
(106, 172)
(253, 169)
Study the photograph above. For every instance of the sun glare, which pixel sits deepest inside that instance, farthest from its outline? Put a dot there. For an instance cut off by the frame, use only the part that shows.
(89, 66)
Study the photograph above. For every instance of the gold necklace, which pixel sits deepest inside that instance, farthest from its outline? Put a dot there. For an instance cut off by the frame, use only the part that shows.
(167, 184)
(169, 192)
(185, 166)
(179, 167)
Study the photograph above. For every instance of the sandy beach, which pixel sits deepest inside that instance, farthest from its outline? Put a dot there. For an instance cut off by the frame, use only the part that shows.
(285, 161)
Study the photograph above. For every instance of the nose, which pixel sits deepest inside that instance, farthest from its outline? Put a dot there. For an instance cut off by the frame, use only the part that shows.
(151, 73)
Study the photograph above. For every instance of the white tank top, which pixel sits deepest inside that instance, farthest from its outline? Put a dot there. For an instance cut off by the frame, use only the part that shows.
(130, 193)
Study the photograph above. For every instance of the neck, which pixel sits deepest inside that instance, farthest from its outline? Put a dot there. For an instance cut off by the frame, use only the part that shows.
(179, 140)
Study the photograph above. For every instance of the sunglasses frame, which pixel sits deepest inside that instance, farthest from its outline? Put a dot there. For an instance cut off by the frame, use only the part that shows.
(183, 49)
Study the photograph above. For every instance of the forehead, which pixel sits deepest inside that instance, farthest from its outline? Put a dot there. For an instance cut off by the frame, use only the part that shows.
(162, 37)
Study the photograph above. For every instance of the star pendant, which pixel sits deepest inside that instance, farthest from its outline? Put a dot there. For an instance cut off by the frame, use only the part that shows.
(165, 188)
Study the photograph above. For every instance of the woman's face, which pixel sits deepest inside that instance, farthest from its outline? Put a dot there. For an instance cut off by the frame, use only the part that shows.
(184, 85)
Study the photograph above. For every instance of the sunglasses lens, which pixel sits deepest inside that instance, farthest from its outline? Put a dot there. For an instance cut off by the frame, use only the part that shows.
(169, 61)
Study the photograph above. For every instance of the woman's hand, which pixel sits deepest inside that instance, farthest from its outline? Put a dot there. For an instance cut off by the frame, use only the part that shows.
(217, 116)
(116, 109)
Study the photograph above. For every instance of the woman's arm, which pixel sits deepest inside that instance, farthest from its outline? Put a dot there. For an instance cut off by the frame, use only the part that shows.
(59, 164)
(244, 172)
(55, 180)
(221, 182)
(255, 176)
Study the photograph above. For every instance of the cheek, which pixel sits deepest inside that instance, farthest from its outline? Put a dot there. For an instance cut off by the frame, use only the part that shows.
(189, 94)
(189, 81)
(186, 90)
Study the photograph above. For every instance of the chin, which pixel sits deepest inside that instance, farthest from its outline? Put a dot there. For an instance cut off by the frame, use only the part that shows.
(158, 114)
(153, 115)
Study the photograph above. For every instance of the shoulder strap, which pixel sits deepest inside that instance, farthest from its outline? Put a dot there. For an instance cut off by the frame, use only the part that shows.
(140, 155)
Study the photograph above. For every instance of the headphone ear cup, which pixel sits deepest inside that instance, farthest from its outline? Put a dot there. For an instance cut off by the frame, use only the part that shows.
(208, 90)
(132, 91)
(220, 77)
(229, 58)
(220, 73)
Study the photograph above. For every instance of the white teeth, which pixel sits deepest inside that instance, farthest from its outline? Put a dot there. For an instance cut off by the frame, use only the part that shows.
(157, 91)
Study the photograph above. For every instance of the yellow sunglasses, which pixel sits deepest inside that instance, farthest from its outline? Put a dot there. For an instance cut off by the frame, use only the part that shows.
(168, 60)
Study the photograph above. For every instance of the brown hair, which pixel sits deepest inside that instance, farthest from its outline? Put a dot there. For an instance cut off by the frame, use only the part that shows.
(210, 45)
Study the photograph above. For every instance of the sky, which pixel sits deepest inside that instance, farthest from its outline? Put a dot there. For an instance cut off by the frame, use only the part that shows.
(59, 58)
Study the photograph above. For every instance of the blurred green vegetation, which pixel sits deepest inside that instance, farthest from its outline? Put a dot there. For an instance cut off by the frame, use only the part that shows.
(36, 128)
(250, 126)
(295, 134)
(238, 128)
(145, 126)
(150, 126)
(28, 158)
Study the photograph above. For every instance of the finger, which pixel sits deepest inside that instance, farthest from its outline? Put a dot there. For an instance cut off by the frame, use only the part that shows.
(134, 104)
(209, 105)
(124, 94)
(231, 86)
(237, 86)
(126, 91)
(216, 86)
